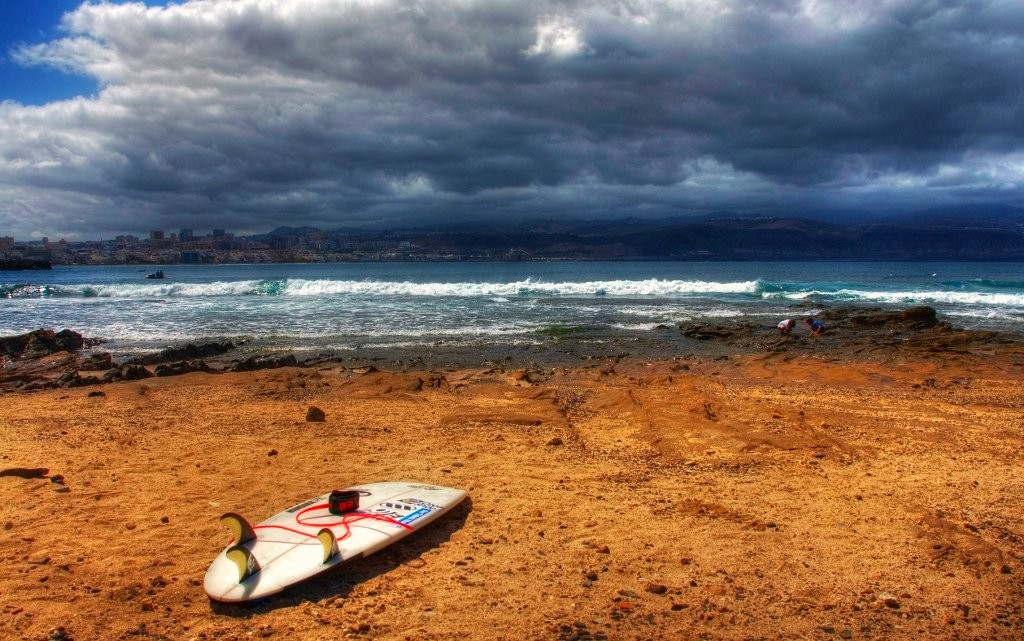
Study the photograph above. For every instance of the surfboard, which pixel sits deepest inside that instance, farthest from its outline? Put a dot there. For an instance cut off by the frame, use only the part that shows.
(308, 538)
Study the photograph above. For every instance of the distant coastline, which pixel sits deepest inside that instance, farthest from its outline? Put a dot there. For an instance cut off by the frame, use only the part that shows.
(24, 264)
(974, 235)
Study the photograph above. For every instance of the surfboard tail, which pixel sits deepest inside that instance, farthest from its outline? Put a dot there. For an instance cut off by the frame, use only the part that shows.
(244, 560)
(241, 529)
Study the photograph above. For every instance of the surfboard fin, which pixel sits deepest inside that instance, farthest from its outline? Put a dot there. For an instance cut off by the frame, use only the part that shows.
(244, 560)
(329, 542)
(240, 528)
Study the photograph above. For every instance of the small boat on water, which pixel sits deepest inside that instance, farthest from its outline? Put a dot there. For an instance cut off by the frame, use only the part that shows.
(157, 275)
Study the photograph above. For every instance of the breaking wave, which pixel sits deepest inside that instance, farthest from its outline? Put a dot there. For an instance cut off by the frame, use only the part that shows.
(904, 297)
(299, 287)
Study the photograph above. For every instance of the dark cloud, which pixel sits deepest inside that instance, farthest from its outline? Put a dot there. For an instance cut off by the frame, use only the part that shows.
(251, 113)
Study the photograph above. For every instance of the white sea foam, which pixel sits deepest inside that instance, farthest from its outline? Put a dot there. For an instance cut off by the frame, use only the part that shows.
(1013, 316)
(638, 327)
(928, 296)
(163, 290)
(721, 312)
(128, 333)
(649, 287)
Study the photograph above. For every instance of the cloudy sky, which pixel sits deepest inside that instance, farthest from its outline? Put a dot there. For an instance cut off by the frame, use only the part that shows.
(245, 114)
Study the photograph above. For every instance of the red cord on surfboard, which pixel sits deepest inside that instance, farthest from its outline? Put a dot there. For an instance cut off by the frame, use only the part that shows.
(346, 522)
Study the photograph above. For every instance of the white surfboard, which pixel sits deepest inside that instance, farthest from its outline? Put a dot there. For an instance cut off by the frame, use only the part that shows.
(307, 539)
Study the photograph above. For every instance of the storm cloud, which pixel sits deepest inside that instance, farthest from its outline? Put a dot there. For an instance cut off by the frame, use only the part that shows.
(247, 114)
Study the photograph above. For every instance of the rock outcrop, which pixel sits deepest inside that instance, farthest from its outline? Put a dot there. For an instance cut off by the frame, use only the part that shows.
(187, 352)
(39, 343)
(254, 363)
(181, 367)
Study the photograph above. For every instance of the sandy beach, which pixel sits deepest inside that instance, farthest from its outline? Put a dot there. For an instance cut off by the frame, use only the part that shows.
(757, 495)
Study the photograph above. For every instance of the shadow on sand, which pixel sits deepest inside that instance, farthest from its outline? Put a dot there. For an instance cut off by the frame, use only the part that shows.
(340, 580)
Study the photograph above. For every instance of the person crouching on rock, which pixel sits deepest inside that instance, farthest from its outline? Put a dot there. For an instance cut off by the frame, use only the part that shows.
(817, 327)
(786, 326)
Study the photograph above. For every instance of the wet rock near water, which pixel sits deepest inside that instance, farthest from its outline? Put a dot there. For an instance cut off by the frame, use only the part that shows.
(921, 317)
(187, 352)
(719, 332)
(850, 330)
(126, 373)
(254, 363)
(39, 343)
(45, 359)
(98, 361)
(74, 379)
(182, 367)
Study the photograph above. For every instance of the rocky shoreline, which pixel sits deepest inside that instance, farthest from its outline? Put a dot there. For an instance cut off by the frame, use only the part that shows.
(45, 359)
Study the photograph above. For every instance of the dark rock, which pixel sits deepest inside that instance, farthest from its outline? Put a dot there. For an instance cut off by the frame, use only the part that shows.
(706, 332)
(58, 479)
(315, 415)
(126, 373)
(254, 363)
(97, 361)
(69, 379)
(272, 453)
(165, 519)
(69, 341)
(555, 442)
(728, 332)
(73, 379)
(436, 380)
(35, 385)
(96, 394)
(39, 343)
(26, 472)
(134, 373)
(656, 588)
(184, 353)
(182, 367)
(920, 317)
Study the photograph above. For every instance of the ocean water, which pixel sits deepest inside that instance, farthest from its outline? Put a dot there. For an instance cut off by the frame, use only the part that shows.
(337, 307)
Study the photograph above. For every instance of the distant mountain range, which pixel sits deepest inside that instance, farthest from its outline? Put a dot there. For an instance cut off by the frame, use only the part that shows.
(993, 232)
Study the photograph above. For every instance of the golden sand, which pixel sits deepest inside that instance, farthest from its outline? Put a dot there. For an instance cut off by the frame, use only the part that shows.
(746, 498)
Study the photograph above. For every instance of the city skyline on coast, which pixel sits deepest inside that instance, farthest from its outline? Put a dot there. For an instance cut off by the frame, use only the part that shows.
(124, 117)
